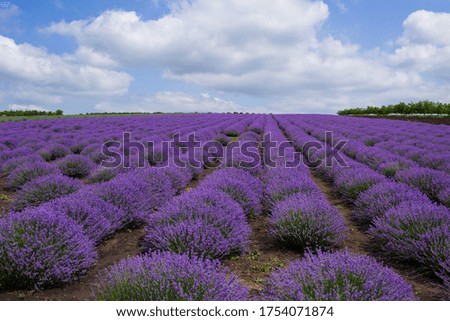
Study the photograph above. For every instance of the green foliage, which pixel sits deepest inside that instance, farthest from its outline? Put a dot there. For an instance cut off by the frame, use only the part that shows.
(58, 112)
(424, 107)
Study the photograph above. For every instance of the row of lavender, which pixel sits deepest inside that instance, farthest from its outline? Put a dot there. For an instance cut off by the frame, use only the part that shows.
(55, 242)
(186, 237)
(403, 220)
(76, 150)
(211, 222)
(196, 225)
(416, 154)
(301, 218)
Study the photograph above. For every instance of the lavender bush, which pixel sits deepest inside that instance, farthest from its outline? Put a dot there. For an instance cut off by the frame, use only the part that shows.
(280, 183)
(44, 189)
(223, 139)
(7, 153)
(97, 217)
(28, 171)
(351, 183)
(52, 152)
(134, 195)
(239, 190)
(430, 182)
(179, 177)
(339, 276)
(235, 173)
(200, 223)
(101, 174)
(169, 277)
(302, 221)
(94, 152)
(11, 164)
(415, 231)
(40, 248)
(76, 166)
(378, 199)
(444, 196)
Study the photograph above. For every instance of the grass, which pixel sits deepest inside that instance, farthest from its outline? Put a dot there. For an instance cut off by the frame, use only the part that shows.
(23, 118)
(5, 198)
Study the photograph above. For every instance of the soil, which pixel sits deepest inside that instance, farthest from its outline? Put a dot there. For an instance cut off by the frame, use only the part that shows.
(264, 256)
(421, 119)
(6, 197)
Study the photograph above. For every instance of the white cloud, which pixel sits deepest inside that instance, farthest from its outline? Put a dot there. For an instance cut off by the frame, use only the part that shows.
(7, 14)
(85, 55)
(255, 47)
(167, 101)
(342, 7)
(230, 37)
(26, 107)
(424, 27)
(26, 65)
(425, 45)
(261, 49)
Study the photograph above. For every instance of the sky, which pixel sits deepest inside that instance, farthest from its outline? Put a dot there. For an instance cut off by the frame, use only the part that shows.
(282, 56)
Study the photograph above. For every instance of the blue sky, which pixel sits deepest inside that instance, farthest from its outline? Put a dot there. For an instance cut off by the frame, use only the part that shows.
(283, 56)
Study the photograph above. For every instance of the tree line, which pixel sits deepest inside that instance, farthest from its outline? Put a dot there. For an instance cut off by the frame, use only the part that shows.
(58, 112)
(423, 107)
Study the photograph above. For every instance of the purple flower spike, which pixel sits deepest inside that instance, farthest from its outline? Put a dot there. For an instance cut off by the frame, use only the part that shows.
(302, 221)
(339, 276)
(201, 223)
(170, 277)
(42, 248)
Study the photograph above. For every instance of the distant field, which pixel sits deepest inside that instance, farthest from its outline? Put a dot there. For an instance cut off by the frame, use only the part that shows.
(435, 120)
(286, 210)
(20, 118)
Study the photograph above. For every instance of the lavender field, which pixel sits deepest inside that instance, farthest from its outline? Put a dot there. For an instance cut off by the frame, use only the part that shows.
(224, 207)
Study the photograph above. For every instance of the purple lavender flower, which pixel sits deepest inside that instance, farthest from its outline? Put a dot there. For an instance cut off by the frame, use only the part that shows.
(94, 152)
(223, 139)
(430, 182)
(102, 174)
(41, 248)
(201, 223)
(244, 155)
(29, 171)
(379, 198)
(53, 151)
(170, 277)
(352, 182)
(415, 231)
(193, 162)
(303, 221)
(390, 168)
(133, 194)
(444, 196)
(179, 177)
(240, 190)
(76, 166)
(97, 217)
(15, 152)
(240, 174)
(281, 183)
(339, 276)
(250, 136)
(11, 164)
(44, 189)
